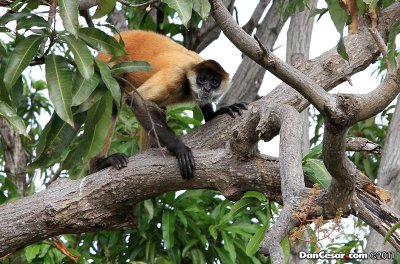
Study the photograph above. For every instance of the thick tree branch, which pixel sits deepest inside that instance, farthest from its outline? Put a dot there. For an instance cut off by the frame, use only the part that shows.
(101, 201)
(388, 178)
(292, 180)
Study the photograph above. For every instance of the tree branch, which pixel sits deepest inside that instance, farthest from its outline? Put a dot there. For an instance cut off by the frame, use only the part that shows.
(292, 180)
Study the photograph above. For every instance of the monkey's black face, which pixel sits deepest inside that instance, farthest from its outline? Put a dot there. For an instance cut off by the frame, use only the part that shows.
(208, 83)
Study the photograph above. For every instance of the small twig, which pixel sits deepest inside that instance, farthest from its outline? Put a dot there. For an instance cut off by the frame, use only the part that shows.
(264, 50)
(55, 176)
(126, 3)
(381, 45)
(362, 144)
(87, 17)
(236, 14)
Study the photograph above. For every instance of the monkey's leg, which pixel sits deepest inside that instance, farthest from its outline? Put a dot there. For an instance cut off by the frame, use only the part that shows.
(152, 118)
(117, 160)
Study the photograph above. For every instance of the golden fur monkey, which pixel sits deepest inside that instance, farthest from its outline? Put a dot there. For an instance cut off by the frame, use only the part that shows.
(178, 75)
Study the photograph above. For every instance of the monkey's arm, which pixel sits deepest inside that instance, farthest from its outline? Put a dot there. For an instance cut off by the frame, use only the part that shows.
(152, 119)
(209, 114)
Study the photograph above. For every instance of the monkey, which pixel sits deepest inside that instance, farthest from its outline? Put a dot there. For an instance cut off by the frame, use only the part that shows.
(178, 75)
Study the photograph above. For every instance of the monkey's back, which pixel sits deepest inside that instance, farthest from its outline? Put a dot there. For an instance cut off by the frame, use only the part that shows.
(159, 51)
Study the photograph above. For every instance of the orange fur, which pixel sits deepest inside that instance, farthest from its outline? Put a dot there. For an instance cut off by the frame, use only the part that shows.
(169, 61)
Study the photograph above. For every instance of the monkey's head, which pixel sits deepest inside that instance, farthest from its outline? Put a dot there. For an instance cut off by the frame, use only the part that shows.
(208, 80)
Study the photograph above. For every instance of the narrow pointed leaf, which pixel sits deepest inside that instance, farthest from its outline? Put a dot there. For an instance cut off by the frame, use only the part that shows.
(254, 244)
(104, 7)
(20, 58)
(69, 15)
(202, 7)
(83, 88)
(97, 125)
(100, 41)
(59, 81)
(109, 81)
(182, 7)
(55, 141)
(9, 114)
(315, 170)
(82, 56)
(32, 21)
(130, 66)
(168, 228)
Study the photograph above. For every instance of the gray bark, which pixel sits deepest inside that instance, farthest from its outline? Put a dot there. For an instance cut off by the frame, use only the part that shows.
(297, 52)
(389, 179)
(15, 156)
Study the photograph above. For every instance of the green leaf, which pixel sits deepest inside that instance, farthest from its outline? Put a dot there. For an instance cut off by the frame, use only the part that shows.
(109, 81)
(168, 228)
(83, 88)
(188, 246)
(59, 81)
(9, 16)
(338, 15)
(242, 204)
(32, 21)
(182, 7)
(254, 244)
(82, 56)
(97, 94)
(55, 141)
(228, 246)
(96, 126)
(316, 171)
(20, 58)
(339, 18)
(69, 15)
(31, 252)
(259, 196)
(100, 41)
(148, 204)
(202, 7)
(222, 255)
(104, 7)
(9, 114)
(315, 153)
(341, 49)
(130, 66)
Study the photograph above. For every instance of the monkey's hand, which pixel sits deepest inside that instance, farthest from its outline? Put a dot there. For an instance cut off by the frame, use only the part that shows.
(232, 109)
(185, 162)
(117, 160)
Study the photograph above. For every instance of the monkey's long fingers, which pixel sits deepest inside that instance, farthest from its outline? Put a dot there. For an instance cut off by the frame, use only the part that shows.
(236, 109)
(184, 167)
(118, 160)
(242, 105)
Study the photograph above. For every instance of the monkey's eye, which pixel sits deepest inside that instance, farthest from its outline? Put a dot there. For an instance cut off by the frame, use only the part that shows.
(202, 79)
(215, 82)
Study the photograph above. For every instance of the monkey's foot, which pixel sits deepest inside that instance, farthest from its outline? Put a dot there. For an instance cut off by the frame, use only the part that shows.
(185, 162)
(232, 109)
(117, 160)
